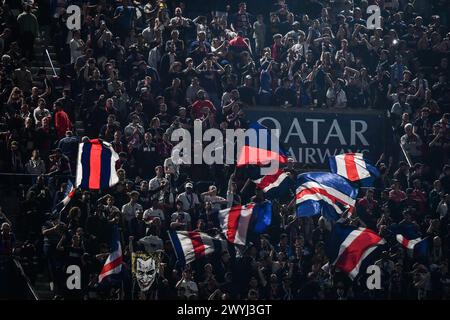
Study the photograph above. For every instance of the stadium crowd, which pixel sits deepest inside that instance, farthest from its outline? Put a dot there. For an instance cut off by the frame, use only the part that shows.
(136, 71)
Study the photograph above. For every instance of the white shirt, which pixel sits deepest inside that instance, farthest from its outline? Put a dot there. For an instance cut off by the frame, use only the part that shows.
(182, 216)
(190, 287)
(154, 56)
(155, 183)
(39, 114)
(171, 167)
(216, 201)
(189, 200)
(300, 48)
(75, 51)
(129, 211)
(340, 97)
(148, 34)
(151, 213)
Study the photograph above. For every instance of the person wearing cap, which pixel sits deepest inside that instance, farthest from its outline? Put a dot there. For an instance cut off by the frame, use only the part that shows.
(129, 209)
(189, 198)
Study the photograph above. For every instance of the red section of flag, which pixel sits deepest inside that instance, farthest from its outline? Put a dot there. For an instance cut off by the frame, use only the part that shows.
(112, 265)
(323, 192)
(95, 165)
(350, 166)
(256, 156)
(197, 244)
(351, 256)
(233, 222)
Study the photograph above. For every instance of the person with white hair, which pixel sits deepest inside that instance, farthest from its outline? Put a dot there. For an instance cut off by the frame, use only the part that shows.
(411, 144)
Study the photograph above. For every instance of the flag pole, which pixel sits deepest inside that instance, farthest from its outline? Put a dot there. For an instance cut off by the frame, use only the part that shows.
(51, 62)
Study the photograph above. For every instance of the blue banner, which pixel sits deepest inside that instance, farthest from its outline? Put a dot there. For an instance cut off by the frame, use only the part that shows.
(311, 136)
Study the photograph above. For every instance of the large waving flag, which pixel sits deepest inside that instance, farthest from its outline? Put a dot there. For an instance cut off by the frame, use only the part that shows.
(191, 245)
(274, 185)
(353, 167)
(96, 165)
(324, 193)
(69, 193)
(417, 248)
(260, 151)
(234, 222)
(348, 247)
(113, 264)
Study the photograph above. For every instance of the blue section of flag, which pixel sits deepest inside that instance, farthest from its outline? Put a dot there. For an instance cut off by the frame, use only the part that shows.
(106, 167)
(326, 193)
(374, 174)
(263, 216)
(266, 143)
(337, 235)
(177, 246)
(86, 164)
(421, 250)
(63, 203)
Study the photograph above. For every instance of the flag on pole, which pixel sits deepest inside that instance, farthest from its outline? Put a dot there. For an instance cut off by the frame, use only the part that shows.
(113, 264)
(353, 167)
(349, 247)
(261, 150)
(324, 193)
(274, 185)
(234, 222)
(191, 245)
(96, 168)
(417, 248)
(69, 193)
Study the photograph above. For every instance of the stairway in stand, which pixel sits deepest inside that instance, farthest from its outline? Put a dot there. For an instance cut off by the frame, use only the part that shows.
(41, 59)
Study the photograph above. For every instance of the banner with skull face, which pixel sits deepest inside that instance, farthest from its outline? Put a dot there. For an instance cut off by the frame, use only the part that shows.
(145, 269)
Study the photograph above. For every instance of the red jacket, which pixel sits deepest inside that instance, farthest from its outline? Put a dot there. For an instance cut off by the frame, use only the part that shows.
(62, 123)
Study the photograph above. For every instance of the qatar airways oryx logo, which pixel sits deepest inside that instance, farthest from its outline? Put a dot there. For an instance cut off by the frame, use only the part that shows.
(229, 146)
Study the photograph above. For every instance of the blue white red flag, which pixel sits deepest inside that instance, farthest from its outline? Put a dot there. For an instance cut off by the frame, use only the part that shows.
(417, 248)
(274, 185)
(262, 149)
(348, 247)
(324, 193)
(235, 221)
(96, 165)
(69, 193)
(113, 264)
(191, 245)
(353, 167)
